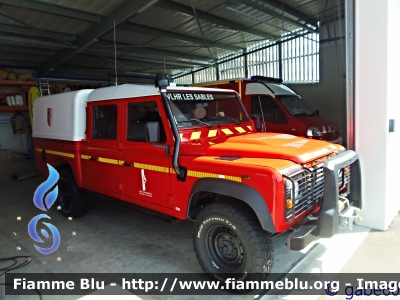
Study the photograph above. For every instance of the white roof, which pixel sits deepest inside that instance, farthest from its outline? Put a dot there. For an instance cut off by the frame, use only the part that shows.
(138, 90)
(258, 88)
(122, 91)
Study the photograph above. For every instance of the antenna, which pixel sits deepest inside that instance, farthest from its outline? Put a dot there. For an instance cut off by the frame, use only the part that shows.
(115, 56)
(165, 71)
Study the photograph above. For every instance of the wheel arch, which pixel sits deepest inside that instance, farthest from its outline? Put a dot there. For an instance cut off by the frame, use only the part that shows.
(237, 190)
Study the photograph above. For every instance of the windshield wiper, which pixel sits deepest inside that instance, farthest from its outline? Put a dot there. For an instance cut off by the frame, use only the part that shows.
(195, 120)
(301, 114)
(233, 119)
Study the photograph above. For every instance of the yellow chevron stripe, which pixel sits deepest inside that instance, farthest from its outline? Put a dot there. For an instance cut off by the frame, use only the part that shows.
(227, 131)
(249, 127)
(212, 133)
(195, 135)
(240, 129)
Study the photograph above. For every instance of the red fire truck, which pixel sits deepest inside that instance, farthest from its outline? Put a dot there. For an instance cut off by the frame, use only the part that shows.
(275, 107)
(193, 153)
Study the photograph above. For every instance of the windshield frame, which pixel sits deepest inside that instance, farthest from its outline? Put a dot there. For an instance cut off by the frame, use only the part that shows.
(309, 113)
(215, 121)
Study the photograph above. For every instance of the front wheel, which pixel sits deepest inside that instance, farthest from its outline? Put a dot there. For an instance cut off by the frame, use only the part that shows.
(229, 242)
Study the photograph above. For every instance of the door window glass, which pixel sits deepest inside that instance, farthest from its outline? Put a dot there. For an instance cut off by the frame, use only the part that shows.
(268, 109)
(105, 122)
(139, 113)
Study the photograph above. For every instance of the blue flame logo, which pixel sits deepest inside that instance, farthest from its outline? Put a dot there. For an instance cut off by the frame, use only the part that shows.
(44, 192)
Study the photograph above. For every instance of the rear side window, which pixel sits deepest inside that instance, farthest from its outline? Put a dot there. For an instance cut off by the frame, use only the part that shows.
(105, 122)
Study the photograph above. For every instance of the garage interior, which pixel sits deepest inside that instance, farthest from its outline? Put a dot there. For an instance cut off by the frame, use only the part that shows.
(322, 49)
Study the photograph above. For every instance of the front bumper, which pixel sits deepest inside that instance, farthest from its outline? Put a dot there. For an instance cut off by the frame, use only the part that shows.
(330, 219)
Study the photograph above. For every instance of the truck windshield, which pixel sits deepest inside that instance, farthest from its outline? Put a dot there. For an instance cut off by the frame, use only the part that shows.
(296, 106)
(205, 109)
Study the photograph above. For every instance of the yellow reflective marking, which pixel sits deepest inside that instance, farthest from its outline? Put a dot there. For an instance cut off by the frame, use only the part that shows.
(120, 162)
(201, 174)
(60, 153)
(85, 156)
(240, 129)
(211, 175)
(56, 152)
(108, 160)
(212, 133)
(151, 167)
(211, 143)
(181, 135)
(195, 135)
(234, 178)
(226, 131)
(249, 127)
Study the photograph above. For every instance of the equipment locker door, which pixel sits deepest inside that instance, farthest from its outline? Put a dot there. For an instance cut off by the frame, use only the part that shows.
(145, 168)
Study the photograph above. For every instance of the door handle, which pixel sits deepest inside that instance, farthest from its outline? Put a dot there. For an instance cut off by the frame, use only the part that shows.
(127, 164)
(94, 158)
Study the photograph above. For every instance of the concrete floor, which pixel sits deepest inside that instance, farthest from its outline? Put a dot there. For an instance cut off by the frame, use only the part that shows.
(109, 239)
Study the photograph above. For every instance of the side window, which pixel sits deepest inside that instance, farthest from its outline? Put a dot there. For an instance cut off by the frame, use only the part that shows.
(105, 122)
(271, 111)
(139, 113)
(258, 103)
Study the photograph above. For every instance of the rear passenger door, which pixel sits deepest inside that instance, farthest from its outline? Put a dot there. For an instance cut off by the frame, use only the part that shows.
(100, 171)
(145, 169)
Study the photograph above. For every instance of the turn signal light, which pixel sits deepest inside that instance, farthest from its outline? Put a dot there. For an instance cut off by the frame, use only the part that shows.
(289, 203)
(346, 170)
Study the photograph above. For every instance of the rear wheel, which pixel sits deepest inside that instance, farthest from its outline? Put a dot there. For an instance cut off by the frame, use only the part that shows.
(230, 243)
(69, 198)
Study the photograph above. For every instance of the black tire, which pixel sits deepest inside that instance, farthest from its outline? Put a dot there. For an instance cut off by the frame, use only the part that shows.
(230, 243)
(70, 199)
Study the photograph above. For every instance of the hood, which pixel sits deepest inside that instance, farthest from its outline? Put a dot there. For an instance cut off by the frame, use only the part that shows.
(261, 145)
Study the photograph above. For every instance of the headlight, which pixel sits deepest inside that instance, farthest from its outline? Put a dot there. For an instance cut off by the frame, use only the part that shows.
(314, 132)
(289, 187)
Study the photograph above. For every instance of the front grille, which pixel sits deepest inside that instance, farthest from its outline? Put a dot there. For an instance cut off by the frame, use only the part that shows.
(309, 188)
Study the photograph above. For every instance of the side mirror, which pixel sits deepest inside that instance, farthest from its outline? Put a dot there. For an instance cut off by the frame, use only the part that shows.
(317, 112)
(257, 121)
(152, 132)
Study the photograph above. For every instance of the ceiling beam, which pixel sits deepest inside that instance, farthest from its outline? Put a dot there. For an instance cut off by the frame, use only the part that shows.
(269, 12)
(17, 63)
(32, 32)
(124, 12)
(111, 53)
(291, 11)
(173, 35)
(25, 50)
(151, 52)
(211, 18)
(54, 9)
(37, 42)
(125, 63)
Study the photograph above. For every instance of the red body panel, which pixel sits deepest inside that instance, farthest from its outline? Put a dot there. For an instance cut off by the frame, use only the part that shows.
(141, 173)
